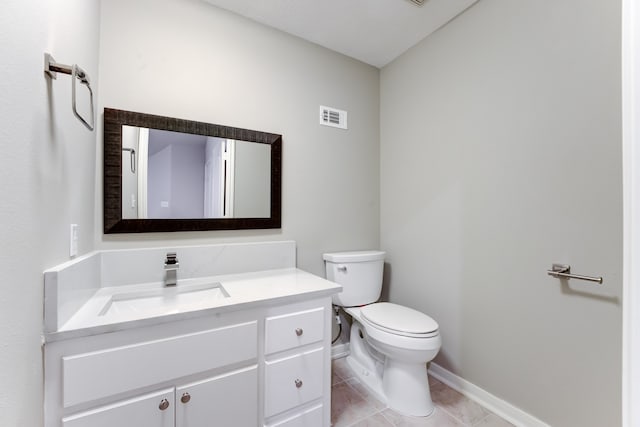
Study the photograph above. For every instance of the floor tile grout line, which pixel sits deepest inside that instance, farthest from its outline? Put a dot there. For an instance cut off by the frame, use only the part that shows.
(387, 418)
(453, 416)
(365, 397)
(369, 416)
(337, 382)
(482, 419)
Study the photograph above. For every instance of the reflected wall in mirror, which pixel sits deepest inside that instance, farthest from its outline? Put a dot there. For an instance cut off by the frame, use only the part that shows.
(173, 175)
(165, 174)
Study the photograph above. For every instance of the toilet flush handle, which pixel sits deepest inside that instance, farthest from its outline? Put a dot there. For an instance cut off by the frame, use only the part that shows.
(342, 268)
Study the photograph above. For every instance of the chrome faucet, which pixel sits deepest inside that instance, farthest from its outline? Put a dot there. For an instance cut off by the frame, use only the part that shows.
(171, 266)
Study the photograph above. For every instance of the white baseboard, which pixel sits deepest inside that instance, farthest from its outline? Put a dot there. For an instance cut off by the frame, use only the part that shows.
(339, 350)
(496, 405)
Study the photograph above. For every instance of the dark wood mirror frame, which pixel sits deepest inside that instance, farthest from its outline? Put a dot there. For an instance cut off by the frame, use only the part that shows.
(113, 221)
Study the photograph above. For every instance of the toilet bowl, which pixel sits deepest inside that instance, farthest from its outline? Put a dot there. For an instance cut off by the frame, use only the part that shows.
(392, 363)
(389, 344)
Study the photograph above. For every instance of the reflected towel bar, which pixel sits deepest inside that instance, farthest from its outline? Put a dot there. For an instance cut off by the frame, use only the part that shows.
(133, 158)
(52, 68)
(562, 271)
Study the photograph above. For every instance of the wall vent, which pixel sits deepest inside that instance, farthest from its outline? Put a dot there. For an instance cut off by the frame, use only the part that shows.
(333, 117)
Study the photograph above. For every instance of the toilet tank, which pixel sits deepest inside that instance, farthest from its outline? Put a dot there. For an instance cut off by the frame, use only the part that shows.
(359, 273)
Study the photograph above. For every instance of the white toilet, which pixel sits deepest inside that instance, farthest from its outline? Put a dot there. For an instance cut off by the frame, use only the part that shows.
(389, 344)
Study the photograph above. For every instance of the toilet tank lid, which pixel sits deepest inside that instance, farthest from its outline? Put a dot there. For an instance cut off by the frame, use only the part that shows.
(354, 256)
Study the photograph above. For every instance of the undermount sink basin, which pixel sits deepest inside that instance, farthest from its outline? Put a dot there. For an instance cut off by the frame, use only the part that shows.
(164, 300)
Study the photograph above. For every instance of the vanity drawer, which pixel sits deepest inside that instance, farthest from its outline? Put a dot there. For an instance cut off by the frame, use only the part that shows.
(293, 330)
(103, 373)
(309, 418)
(292, 381)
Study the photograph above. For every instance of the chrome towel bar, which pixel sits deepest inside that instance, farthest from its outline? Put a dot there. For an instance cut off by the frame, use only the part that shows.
(133, 158)
(562, 271)
(52, 68)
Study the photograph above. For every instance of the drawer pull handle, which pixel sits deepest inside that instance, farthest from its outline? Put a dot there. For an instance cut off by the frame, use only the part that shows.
(164, 404)
(186, 397)
(299, 331)
(298, 383)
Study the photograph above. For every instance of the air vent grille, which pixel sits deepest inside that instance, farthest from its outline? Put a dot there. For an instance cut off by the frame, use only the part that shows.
(333, 117)
(418, 2)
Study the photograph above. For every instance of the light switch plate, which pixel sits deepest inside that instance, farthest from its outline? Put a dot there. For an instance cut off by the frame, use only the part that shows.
(73, 240)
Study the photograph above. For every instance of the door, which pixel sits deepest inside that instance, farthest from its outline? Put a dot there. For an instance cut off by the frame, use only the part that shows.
(494, 166)
(230, 399)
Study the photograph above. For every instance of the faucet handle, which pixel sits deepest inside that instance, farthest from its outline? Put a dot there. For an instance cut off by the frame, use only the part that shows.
(171, 258)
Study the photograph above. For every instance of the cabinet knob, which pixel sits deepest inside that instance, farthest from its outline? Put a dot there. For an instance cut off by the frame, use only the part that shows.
(298, 383)
(164, 404)
(299, 331)
(186, 397)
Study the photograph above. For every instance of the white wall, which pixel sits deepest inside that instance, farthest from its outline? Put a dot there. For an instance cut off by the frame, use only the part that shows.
(47, 170)
(501, 154)
(187, 59)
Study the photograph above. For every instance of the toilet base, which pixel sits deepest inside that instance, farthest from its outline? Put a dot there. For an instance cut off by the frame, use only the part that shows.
(406, 387)
(403, 387)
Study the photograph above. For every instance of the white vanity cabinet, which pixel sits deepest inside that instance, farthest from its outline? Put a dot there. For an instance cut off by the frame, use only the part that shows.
(182, 374)
(266, 365)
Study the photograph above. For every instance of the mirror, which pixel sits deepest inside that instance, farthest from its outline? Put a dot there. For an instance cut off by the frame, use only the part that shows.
(166, 174)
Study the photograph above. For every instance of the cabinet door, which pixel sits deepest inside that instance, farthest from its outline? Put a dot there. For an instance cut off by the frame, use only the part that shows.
(226, 400)
(151, 410)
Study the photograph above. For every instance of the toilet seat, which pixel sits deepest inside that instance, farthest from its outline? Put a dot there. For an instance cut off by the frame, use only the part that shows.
(399, 320)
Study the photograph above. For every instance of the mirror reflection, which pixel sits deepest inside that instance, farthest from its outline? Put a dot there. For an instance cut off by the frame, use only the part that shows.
(174, 175)
(168, 174)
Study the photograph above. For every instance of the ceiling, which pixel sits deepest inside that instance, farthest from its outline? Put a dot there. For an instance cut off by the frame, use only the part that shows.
(372, 31)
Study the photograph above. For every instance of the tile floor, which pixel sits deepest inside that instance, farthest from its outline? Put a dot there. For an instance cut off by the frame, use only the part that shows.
(353, 406)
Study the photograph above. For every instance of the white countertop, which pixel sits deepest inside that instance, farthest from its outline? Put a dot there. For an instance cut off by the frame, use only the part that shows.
(245, 291)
